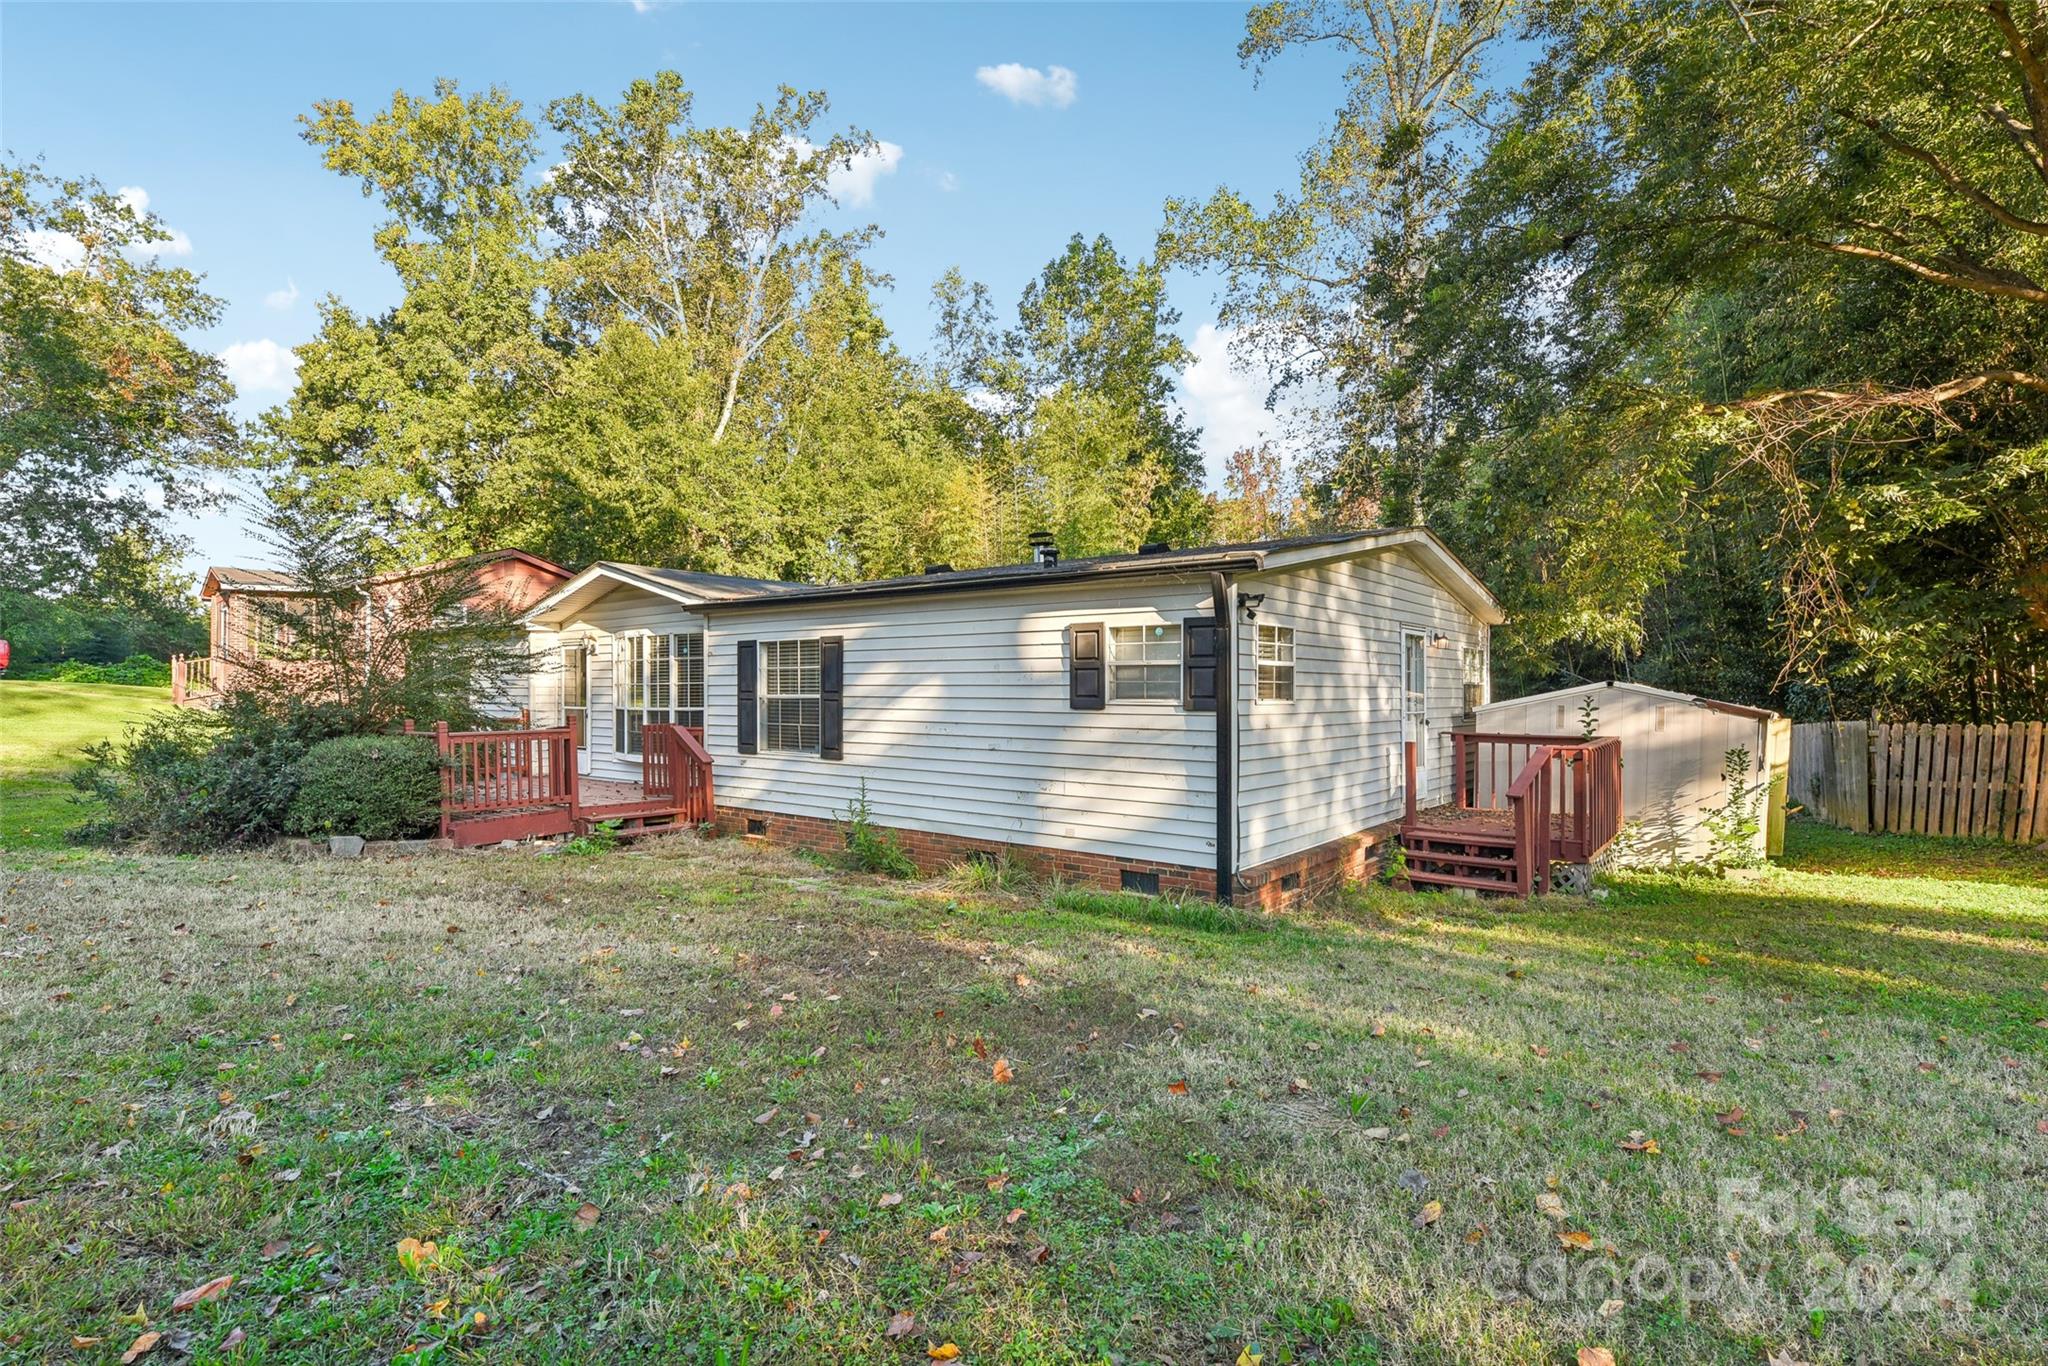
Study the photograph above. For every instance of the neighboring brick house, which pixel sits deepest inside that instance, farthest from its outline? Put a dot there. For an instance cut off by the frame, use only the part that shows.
(244, 627)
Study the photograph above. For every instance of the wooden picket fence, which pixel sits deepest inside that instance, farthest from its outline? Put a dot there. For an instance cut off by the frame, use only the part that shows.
(1989, 782)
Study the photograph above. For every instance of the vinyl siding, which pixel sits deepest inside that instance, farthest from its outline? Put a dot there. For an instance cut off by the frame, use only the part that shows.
(957, 719)
(1328, 763)
(621, 610)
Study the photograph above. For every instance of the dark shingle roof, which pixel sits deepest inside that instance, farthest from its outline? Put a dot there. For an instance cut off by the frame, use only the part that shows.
(1233, 555)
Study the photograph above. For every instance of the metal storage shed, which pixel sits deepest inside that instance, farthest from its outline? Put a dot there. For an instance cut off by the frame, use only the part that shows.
(1672, 747)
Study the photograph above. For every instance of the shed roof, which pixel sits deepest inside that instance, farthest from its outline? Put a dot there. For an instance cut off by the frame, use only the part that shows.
(1645, 689)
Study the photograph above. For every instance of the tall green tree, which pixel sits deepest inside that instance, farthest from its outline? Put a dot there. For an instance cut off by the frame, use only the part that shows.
(1813, 338)
(1069, 417)
(110, 421)
(410, 415)
(1323, 285)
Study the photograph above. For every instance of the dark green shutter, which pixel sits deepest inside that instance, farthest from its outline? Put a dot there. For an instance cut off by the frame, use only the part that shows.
(749, 692)
(831, 697)
(1201, 642)
(1085, 690)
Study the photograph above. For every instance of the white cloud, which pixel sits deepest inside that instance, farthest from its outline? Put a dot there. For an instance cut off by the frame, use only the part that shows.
(137, 200)
(1226, 401)
(1020, 84)
(261, 367)
(854, 183)
(282, 299)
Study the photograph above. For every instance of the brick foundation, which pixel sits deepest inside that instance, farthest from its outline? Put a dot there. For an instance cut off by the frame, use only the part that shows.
(1312, 872)
(933, 852)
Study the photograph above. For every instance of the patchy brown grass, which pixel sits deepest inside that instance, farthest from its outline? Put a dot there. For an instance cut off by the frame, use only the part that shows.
(274, 1070)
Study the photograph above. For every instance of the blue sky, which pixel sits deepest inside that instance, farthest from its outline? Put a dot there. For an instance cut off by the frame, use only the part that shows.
(197, 105)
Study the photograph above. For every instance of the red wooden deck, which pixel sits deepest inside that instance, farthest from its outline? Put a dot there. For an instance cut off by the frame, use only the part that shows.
(521, 784)
(1523, 803)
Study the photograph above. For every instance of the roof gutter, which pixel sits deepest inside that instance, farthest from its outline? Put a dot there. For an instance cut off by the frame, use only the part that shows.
(1226, 704)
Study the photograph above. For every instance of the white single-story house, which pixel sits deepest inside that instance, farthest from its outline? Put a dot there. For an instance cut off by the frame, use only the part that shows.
(1227, 720)
(1674, 746)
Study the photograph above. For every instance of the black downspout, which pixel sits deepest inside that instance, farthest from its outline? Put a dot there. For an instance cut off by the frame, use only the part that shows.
(1226, 705)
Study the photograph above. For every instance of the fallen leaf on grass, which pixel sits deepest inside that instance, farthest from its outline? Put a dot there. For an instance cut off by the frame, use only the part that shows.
(1576, 1241)
(142, 1347)
(1178, 1088)
(1640, 1145)
(1014, 1215)
(1550, 1203)
(945, 1351)
(274, 1249)
(416, 1257)
(901, 1324)
(1002, 1071)
(889, 1201)
(1609, 1308)
(586, 1215)
(80, 1343)
(1428, 1214)
(198, 1294)
(1595, 1356)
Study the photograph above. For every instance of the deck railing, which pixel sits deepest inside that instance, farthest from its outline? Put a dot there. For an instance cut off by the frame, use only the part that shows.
(190, 676)
(500, 770)
(674, 764)
(1529, 802)
(1562, 801)
(1580, 790)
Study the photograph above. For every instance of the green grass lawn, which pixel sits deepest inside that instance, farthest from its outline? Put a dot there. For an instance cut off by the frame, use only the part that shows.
(695, 1102)
(43, 726)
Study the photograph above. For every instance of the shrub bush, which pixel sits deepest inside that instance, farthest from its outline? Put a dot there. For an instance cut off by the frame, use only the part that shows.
(378, 786)
(201, 780)
(137, 671)
(870, 848)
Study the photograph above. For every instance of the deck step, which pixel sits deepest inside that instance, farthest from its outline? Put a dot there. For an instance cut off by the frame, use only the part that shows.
(1418, 878)
(1461, 863)
(1452, 834)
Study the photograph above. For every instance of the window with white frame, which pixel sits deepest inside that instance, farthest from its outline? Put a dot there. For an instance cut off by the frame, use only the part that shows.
(1276, 663)
(656, 680)
(1144, 663)
(789, 695)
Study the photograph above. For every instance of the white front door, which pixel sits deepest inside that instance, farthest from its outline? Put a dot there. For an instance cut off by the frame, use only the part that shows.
(1415, 705)
(576, 699)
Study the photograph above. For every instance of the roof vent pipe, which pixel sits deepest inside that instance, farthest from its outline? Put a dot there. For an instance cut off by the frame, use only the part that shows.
(1154, 548)
(938, 568)
(1043, 550)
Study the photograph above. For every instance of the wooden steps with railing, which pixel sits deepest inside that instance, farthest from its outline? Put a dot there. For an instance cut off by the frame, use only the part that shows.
(522, 784)
(1522, 803)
